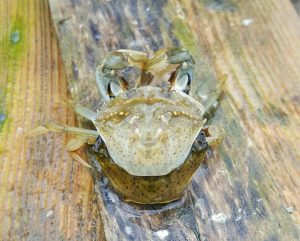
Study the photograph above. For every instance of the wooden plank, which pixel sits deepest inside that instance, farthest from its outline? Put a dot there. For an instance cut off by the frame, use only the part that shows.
(249, 188)
(44, 195)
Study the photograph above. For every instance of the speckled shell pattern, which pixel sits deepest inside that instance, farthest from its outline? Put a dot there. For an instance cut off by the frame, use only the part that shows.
(150, 134)
(151, 189)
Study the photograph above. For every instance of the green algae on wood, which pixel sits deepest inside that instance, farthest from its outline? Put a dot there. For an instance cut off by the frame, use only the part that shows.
(43, 193)
(13, 43)
(12, 48)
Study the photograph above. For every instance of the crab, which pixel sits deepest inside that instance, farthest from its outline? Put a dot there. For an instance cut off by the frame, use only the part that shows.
(151, 133)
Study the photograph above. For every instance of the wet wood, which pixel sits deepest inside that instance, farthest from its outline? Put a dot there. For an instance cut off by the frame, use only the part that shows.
(44, 194)
(249, 187)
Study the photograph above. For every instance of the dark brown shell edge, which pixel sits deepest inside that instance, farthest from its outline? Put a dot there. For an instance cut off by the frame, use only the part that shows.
(151, 189)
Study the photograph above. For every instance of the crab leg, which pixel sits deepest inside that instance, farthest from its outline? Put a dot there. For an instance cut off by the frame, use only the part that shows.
(209, 137)
(85, 112)
(214, 135)
(83, 136)
(210, 106)
(71, 129)
(76, 157)
(52, 127)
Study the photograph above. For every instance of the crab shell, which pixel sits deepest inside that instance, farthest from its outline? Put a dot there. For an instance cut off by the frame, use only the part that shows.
(149, 131)
(151, 189)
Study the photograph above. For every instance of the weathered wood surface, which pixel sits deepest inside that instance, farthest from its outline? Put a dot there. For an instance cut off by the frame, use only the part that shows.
(44, 195)
(251, 182)
(248, 185)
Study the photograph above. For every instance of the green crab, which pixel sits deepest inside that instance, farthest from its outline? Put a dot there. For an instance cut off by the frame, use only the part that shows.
(150, 132)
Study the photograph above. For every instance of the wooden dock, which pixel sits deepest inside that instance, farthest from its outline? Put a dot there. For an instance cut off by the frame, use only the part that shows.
(249, 187)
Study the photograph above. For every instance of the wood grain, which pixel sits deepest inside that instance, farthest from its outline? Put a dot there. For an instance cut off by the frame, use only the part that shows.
(44, 194)
(251, 182)
(249, 187)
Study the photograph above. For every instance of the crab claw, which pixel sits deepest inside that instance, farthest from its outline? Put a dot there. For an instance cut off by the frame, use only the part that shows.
(134, 58)
(181, 79)
(179, 55)
(108, 81)
(110, 84)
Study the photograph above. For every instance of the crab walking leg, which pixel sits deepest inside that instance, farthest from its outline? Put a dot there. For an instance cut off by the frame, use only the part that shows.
(71, 129)
(73, 145)
(76, 157)
(210, 136)
(210, 106)
(85, 112)
(214, 141)
(52, 127)
(215, 135)
(83, 136)
(81, 110)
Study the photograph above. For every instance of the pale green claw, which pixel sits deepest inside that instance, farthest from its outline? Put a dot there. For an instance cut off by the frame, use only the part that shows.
(110, 84)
